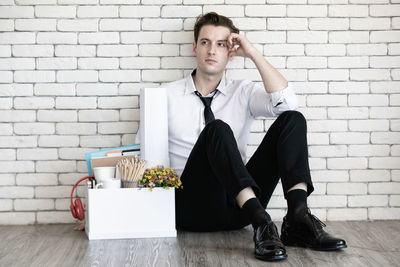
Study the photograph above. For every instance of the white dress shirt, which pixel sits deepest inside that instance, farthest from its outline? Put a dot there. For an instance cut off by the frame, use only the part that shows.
(237, 102)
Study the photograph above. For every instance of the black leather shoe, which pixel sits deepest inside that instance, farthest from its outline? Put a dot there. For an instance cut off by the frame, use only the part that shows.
(308, 232)
(268, 246)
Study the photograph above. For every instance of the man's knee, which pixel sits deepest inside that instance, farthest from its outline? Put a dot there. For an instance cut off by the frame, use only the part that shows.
(218, 126)
(294, 116)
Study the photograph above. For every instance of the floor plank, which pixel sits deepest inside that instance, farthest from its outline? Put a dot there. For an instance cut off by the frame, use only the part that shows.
(374, 243)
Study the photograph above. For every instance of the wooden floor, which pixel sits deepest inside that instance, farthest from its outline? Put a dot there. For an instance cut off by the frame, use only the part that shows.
(369, 244)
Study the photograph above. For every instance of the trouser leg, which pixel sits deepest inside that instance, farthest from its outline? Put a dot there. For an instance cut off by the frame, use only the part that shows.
(213, 176)
(283, 153)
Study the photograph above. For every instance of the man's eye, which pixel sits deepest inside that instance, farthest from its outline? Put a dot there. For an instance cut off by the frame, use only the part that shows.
(204, 42)
(222, 44)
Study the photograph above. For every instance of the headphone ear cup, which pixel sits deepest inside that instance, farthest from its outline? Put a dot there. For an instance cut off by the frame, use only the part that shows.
(80, 212)
(73, 211)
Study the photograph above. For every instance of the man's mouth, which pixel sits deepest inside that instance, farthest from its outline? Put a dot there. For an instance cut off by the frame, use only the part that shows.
(211, 60)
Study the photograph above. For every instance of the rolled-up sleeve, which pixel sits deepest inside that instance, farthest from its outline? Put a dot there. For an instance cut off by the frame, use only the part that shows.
(263, 104)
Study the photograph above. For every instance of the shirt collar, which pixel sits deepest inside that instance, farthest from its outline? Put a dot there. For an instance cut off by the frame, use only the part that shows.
(191, 88)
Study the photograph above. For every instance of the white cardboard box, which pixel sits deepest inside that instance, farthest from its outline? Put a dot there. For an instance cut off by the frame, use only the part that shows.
(130, 213)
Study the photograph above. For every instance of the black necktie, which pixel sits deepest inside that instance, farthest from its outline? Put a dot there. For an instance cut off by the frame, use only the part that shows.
(208, 114)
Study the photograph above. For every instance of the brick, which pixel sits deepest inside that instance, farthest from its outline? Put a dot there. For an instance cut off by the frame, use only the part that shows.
(181, 62)
(33, 103)
(317, 163)
(385, 138)
(129, 115)
(6, 129)
(161, 75)
(32, 128)
(348, 62)
(6, 25)
(349, 138)
(395, 175)
(16, 166)
(326, 125)
(100, 141)
(250, 23)
(52, 191)
(384, 163)
(78, 25)
(7, 179)
(97, 11)
(318, 138)
(9, 12)
(17, 38)
(347, 188)
(348, 113)
(98, 63)
(134, 88)
(117, 127)
(56, 166)
(17, 64)
(347, 163)
(318, 201)
(369, 150)
(393, 49)
(56, 63)
(154, 2)
(77, 76)
(35, 24)
(6, 103)
(328, 151)
(370, 23)
(98, 115)
(73, 153)
(55, 11)
(261, 11)
(96, 89)
(6, 77)
(140, 63)
(307, 37)
(348, 37)
(346, 214)
(159, 50)
(7, 154)
(384, 36)
(368, 125)
(270, 37)
(307, 11)
(368, 201)
(139, 11)
(119, 75)
(76, 128)
(56, 115)
(330, 176)
(120, 24)
(46, 217)
(99, 38)
(71, 2)
(35, 2)
(33, 204)
(58, 89)
(384, 213)
(395, 150)
(177, 37)
(328, 75)
(385, 112)
(348, 11)
(18, 141)
(58, 141)
(311, 88)
(128, 139)
(306, 62)
(117, 50)
(328, 24)
(227, 10)
(395, 100)
(75, 50)
(56, 38)
(287, 23)
(76, 102)
(283, 49)
(118, 102)
(5, 50)
(385, 62)
(385, 10)
(395, 125)
(16, 218)
(366, 49)
(162, 24)
(369, 175)
(348, 87)
(394, 200)
(36, 179)
(37, 153)
(17, 115)
(140, 38)
(34, 76)
(6, 204)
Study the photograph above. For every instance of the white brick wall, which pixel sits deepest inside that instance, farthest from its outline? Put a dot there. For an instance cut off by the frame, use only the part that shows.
(71, 73)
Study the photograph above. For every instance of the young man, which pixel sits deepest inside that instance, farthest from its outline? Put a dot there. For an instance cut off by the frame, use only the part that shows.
(209, 120)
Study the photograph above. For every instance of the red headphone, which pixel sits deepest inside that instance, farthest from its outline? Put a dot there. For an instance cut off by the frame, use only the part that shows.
(77, 210)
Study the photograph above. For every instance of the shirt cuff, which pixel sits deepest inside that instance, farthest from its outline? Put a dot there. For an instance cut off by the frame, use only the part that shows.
(278, 97)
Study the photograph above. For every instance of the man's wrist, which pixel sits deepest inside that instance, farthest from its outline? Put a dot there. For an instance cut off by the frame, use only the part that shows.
(255, 54)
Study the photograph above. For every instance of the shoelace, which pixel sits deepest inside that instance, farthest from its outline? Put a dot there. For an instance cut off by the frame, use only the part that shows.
(270, 231)
(314, 219)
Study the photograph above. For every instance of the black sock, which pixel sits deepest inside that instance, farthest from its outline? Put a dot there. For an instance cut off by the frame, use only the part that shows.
(255, 212)
(297, 203)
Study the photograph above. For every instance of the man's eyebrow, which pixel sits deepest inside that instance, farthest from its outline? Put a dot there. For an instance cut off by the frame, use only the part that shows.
(210, 40)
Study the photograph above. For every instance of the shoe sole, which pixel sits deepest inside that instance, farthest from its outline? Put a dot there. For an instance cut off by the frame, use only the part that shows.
(304, 245)
(273, 258)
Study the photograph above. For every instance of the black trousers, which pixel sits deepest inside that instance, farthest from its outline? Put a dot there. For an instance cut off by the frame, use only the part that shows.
(214, 173)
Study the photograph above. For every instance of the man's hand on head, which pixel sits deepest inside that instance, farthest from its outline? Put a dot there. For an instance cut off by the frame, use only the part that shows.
(238, 45)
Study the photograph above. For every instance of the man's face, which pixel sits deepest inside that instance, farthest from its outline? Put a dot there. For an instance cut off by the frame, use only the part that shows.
(211, 49)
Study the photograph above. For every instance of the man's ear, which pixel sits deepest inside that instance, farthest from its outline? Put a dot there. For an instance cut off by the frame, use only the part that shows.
(194, 51)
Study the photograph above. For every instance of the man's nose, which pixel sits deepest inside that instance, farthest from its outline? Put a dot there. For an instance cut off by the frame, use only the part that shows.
(211, 50)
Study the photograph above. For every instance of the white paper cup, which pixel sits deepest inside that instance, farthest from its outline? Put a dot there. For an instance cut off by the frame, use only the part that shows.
(109, 183)
(103, 173)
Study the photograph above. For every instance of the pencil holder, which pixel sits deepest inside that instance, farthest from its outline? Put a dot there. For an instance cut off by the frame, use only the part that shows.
(130, 183)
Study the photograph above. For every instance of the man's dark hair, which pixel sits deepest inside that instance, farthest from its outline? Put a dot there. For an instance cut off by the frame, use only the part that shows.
(213, 18)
